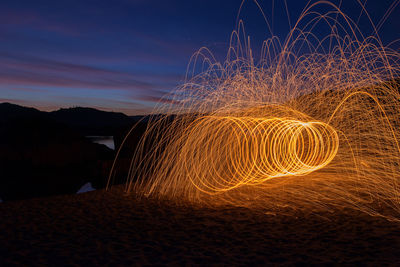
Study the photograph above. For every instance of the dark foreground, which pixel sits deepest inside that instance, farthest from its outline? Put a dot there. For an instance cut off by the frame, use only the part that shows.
(110, 228)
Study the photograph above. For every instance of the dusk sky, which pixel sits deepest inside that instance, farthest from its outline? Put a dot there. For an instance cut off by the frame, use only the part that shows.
(123, 55)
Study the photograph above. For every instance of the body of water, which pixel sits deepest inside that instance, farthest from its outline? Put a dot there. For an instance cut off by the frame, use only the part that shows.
(104, 140)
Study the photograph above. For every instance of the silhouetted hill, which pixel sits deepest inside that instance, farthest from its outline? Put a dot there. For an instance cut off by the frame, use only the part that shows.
(47, 153)
(87, 121)
(10, 111)
(91, 121)
(41, 157)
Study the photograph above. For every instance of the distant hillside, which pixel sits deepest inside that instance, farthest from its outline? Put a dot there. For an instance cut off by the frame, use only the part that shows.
(10, 111)
(87, 121)
(47, 153)
(91, 121)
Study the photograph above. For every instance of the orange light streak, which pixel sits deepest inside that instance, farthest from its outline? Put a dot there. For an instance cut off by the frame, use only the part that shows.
(222, 153)
(313, 125)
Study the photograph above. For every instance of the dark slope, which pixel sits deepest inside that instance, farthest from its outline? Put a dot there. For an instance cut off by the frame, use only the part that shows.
(47, 153)
(89, 121)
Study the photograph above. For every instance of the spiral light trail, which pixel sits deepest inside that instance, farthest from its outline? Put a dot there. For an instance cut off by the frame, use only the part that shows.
(221, 153)
(312, 125)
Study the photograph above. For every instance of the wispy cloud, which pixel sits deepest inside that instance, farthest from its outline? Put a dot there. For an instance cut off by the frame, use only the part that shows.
(58, 83)
(35, 20)
(96, 54)
(27, 70)
(157, 99)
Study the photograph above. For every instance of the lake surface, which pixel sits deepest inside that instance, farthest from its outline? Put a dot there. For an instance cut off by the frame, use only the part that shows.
(104, 140)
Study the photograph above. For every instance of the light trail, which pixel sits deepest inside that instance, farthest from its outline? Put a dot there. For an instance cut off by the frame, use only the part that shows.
(313, 125)
(222, 153)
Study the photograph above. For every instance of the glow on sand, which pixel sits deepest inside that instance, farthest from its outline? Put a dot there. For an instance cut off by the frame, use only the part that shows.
(313, 125)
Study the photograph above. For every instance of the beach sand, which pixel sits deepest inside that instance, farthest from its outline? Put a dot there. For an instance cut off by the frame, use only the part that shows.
(112, 228)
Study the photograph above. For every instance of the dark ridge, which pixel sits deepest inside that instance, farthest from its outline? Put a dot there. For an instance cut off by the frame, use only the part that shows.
(86, 121)
(47, 153)
(10, 111)
(91, 121)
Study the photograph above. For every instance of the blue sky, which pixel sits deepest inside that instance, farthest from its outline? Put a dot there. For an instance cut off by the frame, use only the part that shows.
(123, 55)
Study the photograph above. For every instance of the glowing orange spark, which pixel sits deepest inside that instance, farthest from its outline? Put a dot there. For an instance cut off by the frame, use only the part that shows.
(222, 153)
(266, 135)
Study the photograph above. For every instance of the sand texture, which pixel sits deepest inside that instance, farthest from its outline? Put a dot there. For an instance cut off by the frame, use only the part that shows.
(111, 228)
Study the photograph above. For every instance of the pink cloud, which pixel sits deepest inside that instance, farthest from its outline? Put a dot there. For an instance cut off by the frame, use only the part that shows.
(33, 20)
(157, 99)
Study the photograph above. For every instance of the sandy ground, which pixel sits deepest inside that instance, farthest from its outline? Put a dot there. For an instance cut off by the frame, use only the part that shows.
(111, 228)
